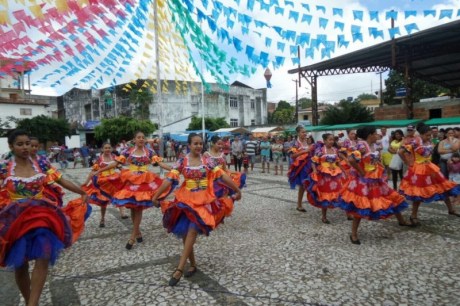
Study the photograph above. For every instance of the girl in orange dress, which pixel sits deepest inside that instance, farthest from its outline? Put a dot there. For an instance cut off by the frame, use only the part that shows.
(326, 180)
(367, 194)
(32, 227)
(424, 181)
(300, 167)
(139, 185)
(104, 185)
(216, 156)
(195, 209)
(347, 147)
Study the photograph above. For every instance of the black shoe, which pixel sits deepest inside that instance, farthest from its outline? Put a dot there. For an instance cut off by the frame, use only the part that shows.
(173, 281)
(124, 217)
(102, 224)
(130, 244)
(355, 241)
(139, 239)
(190, 273)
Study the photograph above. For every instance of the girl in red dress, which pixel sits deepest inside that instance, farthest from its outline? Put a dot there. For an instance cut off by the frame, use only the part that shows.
(327, 177)
(300, 167)
(33, 227)
(139, 184)
(424, 181)
(367, 194)
(103, 186)
(195, 209)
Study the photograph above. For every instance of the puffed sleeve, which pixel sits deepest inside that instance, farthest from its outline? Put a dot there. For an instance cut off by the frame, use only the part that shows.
(123, 156)
(356, 155)
(53, 174)
(156, 159)
(174, 174)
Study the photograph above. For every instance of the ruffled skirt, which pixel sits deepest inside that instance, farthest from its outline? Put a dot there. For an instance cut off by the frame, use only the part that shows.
(221, 190)
(370, 198)
(198, 210)
(299, 170)
(138, 189)
(102, 189)
(426, 183)
(324, 189)
(33, 229)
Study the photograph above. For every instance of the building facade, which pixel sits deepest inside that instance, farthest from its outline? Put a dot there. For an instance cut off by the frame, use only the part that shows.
(422, 110)
(240, 105)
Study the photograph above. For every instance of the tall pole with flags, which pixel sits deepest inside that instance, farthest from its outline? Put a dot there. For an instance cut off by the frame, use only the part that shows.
(157, 62)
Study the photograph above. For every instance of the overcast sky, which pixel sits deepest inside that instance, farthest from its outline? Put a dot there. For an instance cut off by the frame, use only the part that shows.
(331, 88)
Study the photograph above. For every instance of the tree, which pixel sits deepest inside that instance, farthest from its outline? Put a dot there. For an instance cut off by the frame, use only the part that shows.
(211, 124)
(305, 103)
(122, 128)
(141, 98)
(365, 96)
(420, 89)
(346, 112)
(45, 128)
(283, 114)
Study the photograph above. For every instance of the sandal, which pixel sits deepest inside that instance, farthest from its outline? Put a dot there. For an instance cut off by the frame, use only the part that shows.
(124, 217)
(355, 241)
(414, 221)
(454, 213)
(102, 224)
(192, 270)
(130, 244)
(325, 221)
(301, 209)
(139, 238)
(173, 281)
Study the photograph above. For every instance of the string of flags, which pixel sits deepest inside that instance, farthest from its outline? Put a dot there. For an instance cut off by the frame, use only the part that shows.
(93, 42)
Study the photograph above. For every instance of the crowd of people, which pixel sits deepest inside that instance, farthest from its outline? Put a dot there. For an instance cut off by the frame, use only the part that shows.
(349, 172)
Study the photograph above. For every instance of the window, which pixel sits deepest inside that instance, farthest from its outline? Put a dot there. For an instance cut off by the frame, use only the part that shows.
(253, 104)
(25, 111)
(253, 121)
(234, 122)
(305, 117)
(435, 113)
(233, 102)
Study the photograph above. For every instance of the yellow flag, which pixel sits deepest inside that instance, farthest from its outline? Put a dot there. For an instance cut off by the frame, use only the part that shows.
(62, 6)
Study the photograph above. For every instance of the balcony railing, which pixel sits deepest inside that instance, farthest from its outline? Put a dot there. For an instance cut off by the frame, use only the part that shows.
(25, 101)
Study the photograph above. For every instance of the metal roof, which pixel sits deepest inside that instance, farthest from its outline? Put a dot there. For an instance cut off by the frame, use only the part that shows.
(432, 55)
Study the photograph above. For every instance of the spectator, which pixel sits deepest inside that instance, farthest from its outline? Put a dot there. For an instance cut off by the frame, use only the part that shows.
(277, 149)
(84, 150)
(435, 135)
(237, 153)
(265, 153)
(446, 148)
(77, 158)
(250, 149)
(287, 148)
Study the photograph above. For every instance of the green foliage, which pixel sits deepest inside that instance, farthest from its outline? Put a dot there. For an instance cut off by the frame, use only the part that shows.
(346, 112)
(284, 114)
(365, 96)
(211, 124)
(141, 98)
(122, 128)
(305, 103)
(420, 89)
(45, 128)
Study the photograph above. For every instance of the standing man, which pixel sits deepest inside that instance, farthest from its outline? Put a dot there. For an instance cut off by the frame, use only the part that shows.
(435, 135)
(237, 152)
(265, 146)
(250, 149)
(84, 150)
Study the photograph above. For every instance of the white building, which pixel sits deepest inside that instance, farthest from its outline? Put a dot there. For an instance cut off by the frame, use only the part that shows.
(240, 105)
(16, 99)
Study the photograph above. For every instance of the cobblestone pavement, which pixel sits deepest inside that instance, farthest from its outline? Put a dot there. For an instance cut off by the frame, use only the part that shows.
(267, 253)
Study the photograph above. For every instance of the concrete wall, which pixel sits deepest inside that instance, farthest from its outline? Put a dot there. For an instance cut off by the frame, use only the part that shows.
(449, 108)
(14, 110)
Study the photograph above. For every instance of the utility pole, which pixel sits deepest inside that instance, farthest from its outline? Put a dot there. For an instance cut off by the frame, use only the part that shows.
(296, 101)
